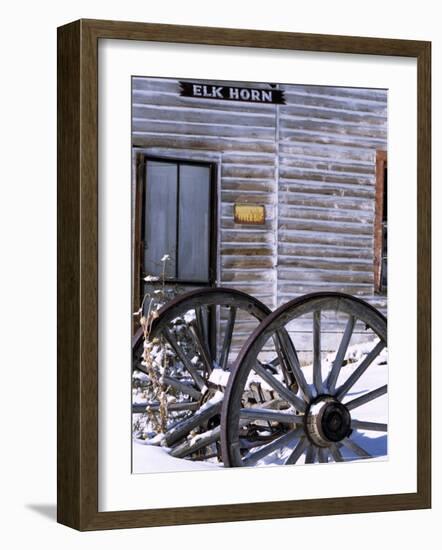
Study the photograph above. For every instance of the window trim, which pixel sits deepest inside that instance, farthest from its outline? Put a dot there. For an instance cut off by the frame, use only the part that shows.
(381, 165)
(142, 158)
(137, 244)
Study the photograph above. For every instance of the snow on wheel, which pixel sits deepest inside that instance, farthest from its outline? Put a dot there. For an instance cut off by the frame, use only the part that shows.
(334, 346)
(194, 338)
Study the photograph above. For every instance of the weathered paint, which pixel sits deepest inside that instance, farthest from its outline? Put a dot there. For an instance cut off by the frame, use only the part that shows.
(310, 162)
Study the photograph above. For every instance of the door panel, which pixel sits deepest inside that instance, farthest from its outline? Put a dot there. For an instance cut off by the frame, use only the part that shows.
(160, 220)
(194, 223)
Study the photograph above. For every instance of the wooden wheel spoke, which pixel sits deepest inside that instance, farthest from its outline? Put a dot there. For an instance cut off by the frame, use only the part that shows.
(353, 378)
(155, 406)
(271, 415)
(244, 443)
(281, 359)
(297, 451)
(317, 374)
(282, 390)
(310, 455)
(276, 361)
(340, 354)
(196, 443)
(355, 448)
(200, 321)
(370, 426)
(183, 428)
(252, 458)
(336, 453)
(170, 338)
(227, 342)
(201, 348)
(183, 387)
(363, 399)
(291, 358)
(323, 454)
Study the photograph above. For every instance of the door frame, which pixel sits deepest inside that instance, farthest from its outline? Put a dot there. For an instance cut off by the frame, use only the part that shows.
(138, 216)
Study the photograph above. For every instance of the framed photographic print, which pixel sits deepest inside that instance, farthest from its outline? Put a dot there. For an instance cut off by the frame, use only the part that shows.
(244, 275)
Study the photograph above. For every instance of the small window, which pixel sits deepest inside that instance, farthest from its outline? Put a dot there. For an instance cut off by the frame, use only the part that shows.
(381, 224)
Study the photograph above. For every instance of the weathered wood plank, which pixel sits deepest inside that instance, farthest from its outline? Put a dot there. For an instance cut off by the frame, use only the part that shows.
(238, 157)
(204, 143)
(246, 250)
(295, 112)
(332, 263)
(332, 138)
(248, 185)
(331, 189)
(304, 198)
(324, 151)
(227, 223)
(319, 213)
(324, 175)
(289, 124)
(329, 165)
(252, 196)
(302, 236)
(185, 115)
(139, 127)
(325, 226)
(239, 262)
(334, 102)
(246, 276)
(292, 290)
(358, 94)
(247, 237)
(323, 251)
(247, 171)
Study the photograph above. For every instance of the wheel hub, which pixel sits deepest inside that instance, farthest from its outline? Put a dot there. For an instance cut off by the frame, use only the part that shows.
(328, 421)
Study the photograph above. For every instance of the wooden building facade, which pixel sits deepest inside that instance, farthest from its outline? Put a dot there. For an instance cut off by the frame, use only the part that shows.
(317, 163)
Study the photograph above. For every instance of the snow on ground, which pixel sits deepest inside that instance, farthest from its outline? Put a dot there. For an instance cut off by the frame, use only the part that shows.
(151, 458)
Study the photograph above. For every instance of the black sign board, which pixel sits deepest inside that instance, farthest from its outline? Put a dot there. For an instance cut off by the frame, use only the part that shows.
(231, 93)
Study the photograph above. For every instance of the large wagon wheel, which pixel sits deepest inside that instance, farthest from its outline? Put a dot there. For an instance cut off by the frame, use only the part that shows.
(335, 411)
(197, 330)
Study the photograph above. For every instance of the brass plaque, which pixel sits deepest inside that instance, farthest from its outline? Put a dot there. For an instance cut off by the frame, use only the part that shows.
(253, 214)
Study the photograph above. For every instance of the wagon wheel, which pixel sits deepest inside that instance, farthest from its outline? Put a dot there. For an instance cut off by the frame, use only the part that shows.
(338, 407)
(197, 332)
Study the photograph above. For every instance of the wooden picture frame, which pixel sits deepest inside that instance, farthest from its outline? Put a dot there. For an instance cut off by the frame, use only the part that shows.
(77, 224)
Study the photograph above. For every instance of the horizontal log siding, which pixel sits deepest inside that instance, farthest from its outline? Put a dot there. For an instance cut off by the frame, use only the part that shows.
(311, 162)
(328, 139)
